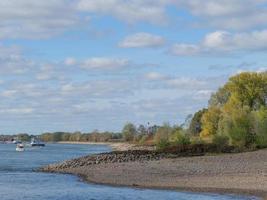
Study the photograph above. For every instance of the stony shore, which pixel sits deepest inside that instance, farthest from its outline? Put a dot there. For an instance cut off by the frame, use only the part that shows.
(242, 173)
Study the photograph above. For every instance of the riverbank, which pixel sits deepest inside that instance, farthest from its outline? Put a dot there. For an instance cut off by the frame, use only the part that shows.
(242, 173)
(116, 146)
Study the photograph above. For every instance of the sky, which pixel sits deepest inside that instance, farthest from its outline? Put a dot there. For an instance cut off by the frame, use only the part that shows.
(81, 65)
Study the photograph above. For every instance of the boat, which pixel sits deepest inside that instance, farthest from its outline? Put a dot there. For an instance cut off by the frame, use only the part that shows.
(36, 143)
(20, 147)
(16, 141)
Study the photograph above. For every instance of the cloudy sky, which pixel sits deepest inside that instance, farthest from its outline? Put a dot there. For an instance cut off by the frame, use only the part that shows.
(95, 64)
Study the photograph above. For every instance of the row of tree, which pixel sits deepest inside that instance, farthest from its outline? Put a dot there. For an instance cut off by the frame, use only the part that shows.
(94, 136)
(236, 115)
(237, 112)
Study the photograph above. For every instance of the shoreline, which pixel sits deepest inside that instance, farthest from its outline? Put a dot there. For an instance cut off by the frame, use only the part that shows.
(216, 191)
(116, 146)
(261, 195)
(242, 174)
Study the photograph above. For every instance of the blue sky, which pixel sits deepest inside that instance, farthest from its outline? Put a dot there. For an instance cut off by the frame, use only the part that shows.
(70, 65)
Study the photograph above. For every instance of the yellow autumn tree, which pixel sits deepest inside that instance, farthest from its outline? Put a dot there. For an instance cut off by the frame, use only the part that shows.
(210, 121)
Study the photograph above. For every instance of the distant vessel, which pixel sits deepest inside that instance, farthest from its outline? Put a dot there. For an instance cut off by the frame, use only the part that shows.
(36, 143)
(16, 141)
(20, 147)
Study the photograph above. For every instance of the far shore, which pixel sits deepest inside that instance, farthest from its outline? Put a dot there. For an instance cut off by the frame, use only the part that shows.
(116, 146)
(241, 173)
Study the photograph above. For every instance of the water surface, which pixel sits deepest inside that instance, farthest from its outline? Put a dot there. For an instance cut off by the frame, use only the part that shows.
(19, 182)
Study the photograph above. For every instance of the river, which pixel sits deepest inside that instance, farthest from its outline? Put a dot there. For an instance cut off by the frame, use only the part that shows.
(18, 181)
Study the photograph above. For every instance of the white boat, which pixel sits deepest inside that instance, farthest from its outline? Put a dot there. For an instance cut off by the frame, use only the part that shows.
(36, 143)
(20, 147)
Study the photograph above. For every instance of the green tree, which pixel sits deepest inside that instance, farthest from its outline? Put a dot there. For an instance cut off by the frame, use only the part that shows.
(162, 136)
(250, 89)
(219, 98)
(129, 131)
(142, 129)
(195, 126)
(179, 137)
(260, 126)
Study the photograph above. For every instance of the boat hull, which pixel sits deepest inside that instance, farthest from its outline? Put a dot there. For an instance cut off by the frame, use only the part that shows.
(37, 145)
(20, 149)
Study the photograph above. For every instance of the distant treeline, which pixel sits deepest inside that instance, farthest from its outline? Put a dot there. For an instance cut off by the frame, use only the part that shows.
(24, 137)
(80, 137)
(129, 133)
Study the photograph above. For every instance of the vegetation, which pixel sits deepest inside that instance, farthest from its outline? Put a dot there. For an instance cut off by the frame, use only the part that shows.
(238, 111)
(236, 116)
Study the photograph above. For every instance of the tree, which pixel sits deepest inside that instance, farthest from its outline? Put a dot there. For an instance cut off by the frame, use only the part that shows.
(260, 126)
(195, 126)
(237, 110)
(210, 121)
(219, 98)
(129, 131)
(162, 136)
(76, 136)
(23, 137)
(178, 137)
(142, 129)
(250, 89)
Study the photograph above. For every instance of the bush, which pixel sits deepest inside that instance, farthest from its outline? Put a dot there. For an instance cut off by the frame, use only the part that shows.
(162, 135)
(261, 141)
(260, 127)
(143, 139)
(182, 140)
(197, 140)
(221, 142)
(162, 144)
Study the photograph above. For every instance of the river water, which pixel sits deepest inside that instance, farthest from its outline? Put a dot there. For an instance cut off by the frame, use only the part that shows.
(18, 181)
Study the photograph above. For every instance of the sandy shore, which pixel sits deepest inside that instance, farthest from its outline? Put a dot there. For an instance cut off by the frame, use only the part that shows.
(243, 173)
(116, 146)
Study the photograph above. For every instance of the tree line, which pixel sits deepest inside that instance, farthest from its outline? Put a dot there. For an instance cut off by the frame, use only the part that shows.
(236, 115)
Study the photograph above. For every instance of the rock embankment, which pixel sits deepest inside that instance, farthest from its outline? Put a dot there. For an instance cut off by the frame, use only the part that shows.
(118, 157)
(132, 156)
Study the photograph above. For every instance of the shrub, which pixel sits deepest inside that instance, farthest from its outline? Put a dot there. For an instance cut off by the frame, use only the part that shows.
(129, 132)
(260, 127)
(197, 140)
(221, 142)
(162, 144)
(143, 139)
(182, 140)
(163, 133)
(261, 141)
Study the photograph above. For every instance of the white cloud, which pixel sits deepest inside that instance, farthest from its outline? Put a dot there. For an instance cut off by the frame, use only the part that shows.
(228, 14)
(224, 42)
(16, 111)
(130, 11)
(155, 76)
(35, 19)
(70, 61)
(184, 49)
(186, 82)
(99, 63)
(9, 93)
(142, 40)
(12, 61)
(104, 63)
